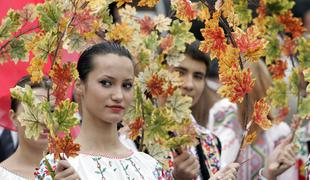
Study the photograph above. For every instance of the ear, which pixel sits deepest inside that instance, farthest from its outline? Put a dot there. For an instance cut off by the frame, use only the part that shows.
(13, 117)
(79, 88)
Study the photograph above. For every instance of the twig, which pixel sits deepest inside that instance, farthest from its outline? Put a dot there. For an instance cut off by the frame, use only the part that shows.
(248, 126)
(143, 117)
(228, 30)
(59, 41)
(17, 36)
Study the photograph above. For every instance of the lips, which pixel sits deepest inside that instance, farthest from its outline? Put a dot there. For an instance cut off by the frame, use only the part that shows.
(116, 108)
(45, 134)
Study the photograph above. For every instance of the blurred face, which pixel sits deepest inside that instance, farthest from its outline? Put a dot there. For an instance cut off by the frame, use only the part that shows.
(108, 90)
(192, 73)
(40, 94)
(307, 20)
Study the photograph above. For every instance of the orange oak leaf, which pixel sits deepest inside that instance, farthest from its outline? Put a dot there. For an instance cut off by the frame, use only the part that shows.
(63, 145)
(249, 43)
(155, 85)
(261, 111)
(135, 127)
(121, 33)
(184, 10)
(214, 42)
(62, 77)
(83, 21)
(36, 70)
(292, 24)
(166, 43)
(236, 83)
(249, 139)
(148, 3)
(278, 70)
(289, 47)
(146, 25)
(121, 2)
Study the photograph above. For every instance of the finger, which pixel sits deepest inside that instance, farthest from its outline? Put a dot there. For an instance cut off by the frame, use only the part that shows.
(182, 157)
(194, 165)
(291, 150)
(287, 140)
(73, 177)
(62, 165)
(234, 165)
(188, 163)
(67, 173)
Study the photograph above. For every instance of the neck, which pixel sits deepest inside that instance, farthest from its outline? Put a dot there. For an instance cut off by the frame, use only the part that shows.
(97, 136)
(25, 156)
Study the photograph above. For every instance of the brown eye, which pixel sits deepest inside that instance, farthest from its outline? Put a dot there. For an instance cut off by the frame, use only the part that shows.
(105, 83)
(128, 85)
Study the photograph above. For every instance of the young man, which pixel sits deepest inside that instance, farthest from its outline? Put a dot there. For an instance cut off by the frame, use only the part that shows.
(193, 70)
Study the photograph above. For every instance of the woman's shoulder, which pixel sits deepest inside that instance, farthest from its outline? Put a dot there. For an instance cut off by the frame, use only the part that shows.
(7, 174)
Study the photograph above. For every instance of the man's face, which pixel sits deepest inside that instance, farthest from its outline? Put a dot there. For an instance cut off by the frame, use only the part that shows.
(192, 73)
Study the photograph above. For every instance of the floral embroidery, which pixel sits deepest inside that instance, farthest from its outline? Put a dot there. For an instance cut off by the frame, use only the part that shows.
(134, 165)
(42, 172)
(125, 168)
(100, 169)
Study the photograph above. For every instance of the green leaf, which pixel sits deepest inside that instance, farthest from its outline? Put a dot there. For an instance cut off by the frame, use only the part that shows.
(273, 50)
(244, 13)
(179, 106)
(74, 42)
(9, 24)
(65, 115)
(158, 125)
(46, 45)
(279, 6)
(49, 13)
(151, 41)
(304, 52)
(181, 34)
(294, 81)
(304, 108)
(277, 94)
(17, 50)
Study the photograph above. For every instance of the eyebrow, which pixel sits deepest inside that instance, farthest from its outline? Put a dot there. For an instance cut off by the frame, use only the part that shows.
(200, 73)
(185, 70)
(110, 77)
(181, 68)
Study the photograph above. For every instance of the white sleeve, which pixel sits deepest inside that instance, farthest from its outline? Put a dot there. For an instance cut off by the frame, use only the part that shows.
(224, 123)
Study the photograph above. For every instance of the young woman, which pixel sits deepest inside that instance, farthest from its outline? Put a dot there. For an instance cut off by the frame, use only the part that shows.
(105, 90)
(21, 165)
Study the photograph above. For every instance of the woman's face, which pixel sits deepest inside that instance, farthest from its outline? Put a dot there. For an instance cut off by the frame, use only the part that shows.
(108, 89)
(41, 142)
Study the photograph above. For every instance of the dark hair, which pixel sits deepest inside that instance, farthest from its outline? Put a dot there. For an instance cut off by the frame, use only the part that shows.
(26, 80)
(193, 51)
(85, 64)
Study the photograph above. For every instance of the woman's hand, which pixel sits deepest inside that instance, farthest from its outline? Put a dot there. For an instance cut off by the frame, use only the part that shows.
(281, 159)
(65, 171)
(186, 166)
(229, 172)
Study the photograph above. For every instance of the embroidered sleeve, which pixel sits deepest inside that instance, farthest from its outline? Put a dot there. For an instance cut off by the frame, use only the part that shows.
(161, 174)
(46, 168)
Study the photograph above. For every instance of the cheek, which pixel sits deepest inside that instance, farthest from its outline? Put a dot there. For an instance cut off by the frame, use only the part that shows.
(128, 97)
(199, 88)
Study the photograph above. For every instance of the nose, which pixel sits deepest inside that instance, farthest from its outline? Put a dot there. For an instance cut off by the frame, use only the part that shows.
(188, 84)
(117, 95)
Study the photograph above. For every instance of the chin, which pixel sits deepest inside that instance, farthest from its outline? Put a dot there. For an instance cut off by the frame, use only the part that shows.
(113, 119)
